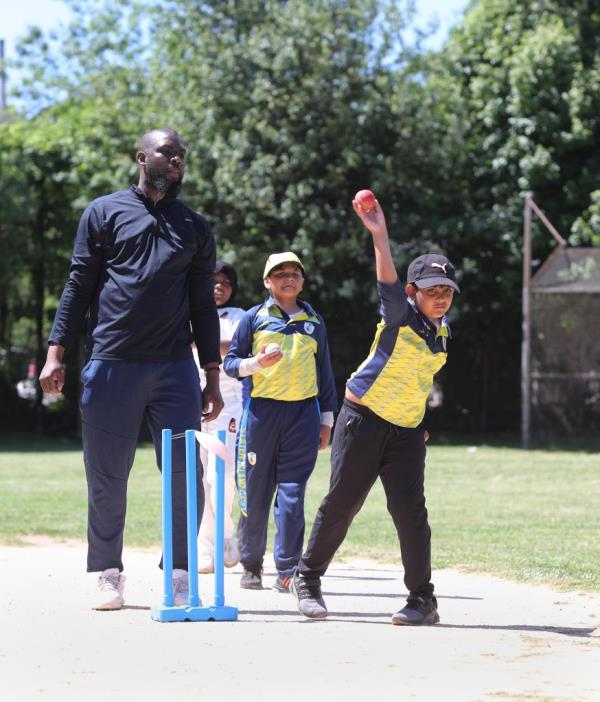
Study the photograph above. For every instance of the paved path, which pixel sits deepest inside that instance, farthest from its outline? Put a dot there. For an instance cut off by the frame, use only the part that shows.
(497, 640)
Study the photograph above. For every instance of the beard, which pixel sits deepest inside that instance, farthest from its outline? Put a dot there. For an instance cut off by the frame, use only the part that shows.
(158, 179)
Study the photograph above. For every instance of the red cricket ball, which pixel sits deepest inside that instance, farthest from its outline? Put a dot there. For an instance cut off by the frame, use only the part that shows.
(366, 200)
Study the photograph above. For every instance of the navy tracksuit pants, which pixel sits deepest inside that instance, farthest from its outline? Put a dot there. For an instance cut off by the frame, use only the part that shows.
(277, 449)
(115, 397)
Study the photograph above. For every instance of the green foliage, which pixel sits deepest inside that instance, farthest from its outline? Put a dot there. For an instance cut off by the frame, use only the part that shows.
(586, 228)
(275, 160)
(50, 166)
(291, 122)
(289, 108)
(522, 80)
(527, 76)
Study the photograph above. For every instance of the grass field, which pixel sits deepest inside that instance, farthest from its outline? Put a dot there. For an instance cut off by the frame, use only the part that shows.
(531, 516)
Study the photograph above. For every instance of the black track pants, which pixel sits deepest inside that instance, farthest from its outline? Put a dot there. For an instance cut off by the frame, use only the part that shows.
(366, 447)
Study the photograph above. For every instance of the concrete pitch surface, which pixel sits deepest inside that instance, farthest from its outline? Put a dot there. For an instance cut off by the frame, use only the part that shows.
(497, 640)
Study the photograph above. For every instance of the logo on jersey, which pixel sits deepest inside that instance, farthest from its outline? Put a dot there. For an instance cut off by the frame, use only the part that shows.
(309, 327)
(251, 458)
(232, 426)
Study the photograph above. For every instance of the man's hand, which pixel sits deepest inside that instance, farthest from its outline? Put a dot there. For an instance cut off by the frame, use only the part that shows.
(52, 377)
(212, 402)
(324, 436)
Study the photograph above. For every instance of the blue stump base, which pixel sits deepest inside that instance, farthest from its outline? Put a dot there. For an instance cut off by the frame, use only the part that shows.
(191, 612)
(162, 613)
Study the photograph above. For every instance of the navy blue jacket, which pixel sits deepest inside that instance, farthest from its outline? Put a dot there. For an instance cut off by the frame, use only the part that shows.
(143, 271)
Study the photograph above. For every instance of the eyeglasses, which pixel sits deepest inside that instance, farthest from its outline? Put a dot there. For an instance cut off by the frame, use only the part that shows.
(282, 275)
(223, 282)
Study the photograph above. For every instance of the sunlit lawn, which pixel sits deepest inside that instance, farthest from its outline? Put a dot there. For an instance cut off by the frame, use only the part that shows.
(531, 515)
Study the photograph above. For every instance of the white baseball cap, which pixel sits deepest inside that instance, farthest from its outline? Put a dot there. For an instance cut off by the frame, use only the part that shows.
(277, 259)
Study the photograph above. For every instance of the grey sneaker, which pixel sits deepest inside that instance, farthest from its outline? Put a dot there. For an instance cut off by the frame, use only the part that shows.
(251, 579)
(111, 585)
(308, 593)
(417, 612)
(181, 588)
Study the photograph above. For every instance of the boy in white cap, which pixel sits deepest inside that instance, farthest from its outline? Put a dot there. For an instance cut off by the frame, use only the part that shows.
(282, 346)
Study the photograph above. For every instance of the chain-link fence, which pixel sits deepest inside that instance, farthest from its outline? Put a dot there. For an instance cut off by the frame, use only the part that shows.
(565, 344)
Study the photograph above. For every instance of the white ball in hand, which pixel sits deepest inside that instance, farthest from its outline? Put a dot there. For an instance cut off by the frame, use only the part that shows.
(271, 348)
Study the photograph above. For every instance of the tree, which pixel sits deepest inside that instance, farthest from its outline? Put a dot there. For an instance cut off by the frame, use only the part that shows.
(51, 165)
(523, 80)
(291, 107)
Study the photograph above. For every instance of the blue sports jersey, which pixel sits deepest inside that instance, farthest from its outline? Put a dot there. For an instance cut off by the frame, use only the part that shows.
(305, 369)
(395, 379)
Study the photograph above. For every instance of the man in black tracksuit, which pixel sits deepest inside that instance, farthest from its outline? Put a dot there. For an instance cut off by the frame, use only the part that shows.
(142, 270)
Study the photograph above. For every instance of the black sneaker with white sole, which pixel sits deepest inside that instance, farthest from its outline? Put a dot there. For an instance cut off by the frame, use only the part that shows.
(418, 611)
(308, 593)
